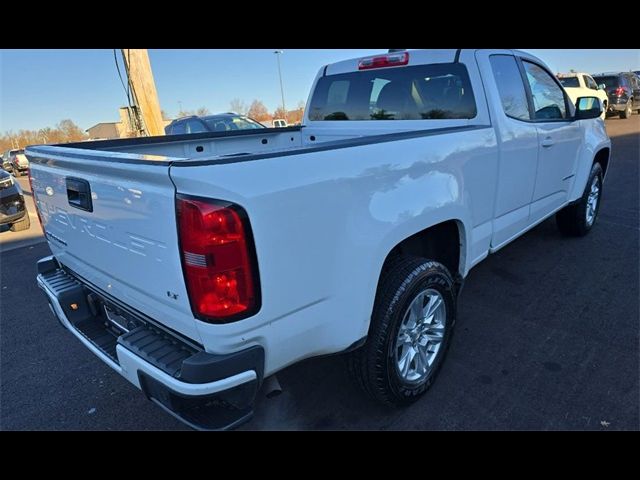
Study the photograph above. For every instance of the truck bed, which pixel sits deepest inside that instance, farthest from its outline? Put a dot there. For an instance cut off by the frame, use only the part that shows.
(169, 148)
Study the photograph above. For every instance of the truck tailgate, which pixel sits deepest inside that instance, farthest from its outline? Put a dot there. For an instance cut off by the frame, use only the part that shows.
(110, 218)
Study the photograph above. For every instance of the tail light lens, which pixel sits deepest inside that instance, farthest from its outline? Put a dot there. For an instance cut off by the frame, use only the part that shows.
(218, 258)
(619, 91)
(35, 199)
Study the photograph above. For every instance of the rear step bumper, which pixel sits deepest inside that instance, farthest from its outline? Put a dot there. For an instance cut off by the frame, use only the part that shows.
(203, 390)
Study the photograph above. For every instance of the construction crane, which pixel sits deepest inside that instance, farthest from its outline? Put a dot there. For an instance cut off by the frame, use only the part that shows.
(145, 116)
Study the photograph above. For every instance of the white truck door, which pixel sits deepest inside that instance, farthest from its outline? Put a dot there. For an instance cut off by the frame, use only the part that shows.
(518, 143)
(559, 136)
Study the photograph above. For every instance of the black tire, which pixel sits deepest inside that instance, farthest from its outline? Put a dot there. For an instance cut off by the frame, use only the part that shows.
(572, 220)
(23, 224)
(628, 111)
(373, 365)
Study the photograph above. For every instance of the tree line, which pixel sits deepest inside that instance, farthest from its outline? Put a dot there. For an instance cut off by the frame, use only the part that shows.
(67, 131)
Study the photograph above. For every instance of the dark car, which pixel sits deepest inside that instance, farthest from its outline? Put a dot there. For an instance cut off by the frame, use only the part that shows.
(224, 122)
(12, 207)
(623, 90)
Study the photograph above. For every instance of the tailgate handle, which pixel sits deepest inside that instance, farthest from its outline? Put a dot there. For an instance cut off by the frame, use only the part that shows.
(79, 194)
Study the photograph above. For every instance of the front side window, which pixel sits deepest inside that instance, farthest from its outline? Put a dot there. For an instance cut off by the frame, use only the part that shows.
(421, 92)
(510, 86)
(548, 97)
(245, 123)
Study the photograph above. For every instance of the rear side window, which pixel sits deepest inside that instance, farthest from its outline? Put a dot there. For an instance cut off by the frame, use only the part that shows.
(510, 86)
(178, 128)
(195, 126)
(422, 92)
(609, 82)
(588, 81)
(570, 82)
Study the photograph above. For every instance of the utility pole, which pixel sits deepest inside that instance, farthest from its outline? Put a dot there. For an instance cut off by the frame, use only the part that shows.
(278, 52)
(143, 88)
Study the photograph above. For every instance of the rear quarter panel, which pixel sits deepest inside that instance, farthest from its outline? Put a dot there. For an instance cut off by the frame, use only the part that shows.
(325, 221)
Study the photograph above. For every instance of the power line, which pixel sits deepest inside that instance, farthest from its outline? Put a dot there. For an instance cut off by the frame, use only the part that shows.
(138, 121)
(126, 90)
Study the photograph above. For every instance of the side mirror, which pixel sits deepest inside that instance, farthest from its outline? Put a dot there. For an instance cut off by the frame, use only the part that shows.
(602, 86)
(588, 107)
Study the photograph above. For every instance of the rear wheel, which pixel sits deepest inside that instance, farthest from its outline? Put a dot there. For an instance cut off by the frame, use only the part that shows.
(23, 224)
(628, 110)
(410, 331)
(577, 220)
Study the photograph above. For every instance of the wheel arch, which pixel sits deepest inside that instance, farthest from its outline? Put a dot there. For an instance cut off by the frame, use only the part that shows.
(602, 157)
(445, 242)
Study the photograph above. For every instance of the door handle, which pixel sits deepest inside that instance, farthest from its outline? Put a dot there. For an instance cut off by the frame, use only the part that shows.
(548, 142)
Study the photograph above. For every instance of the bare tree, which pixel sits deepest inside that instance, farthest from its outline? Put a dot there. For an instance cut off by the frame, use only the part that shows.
(258, 111)
(202, 111)
(65, 131)
(238, 106)
(279, 113)
(295, 116)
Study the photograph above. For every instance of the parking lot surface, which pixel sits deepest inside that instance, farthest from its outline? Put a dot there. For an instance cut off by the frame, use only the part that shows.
(547, 338)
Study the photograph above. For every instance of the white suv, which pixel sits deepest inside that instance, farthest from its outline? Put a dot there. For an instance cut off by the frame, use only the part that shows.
(583, 85)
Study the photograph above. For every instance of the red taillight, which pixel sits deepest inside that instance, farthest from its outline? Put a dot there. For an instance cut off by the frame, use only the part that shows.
(218, 257)
(391, 60)
(619, 91)
(35, 200)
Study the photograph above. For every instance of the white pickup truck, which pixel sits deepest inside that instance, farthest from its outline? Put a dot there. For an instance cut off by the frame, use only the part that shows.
(197, 266)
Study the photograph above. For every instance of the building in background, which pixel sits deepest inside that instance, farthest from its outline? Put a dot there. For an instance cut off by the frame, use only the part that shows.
(121, 129)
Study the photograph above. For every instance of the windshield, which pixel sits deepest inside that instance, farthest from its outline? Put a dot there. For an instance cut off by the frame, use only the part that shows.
(223, 124)
(570, 82)
(610, 82)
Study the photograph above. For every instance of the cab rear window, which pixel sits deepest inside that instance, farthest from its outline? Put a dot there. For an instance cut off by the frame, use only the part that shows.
(421, 92)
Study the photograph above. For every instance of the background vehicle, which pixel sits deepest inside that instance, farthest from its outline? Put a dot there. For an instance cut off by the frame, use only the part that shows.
(201, 266)
(12, 208)
(623, 90)
(279, 123)
(6, 165)
(19, 162)
(583, 85)
(224, 122)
